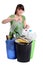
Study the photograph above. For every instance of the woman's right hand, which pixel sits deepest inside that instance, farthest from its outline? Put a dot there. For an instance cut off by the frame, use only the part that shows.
(9, 19)
(6, 20)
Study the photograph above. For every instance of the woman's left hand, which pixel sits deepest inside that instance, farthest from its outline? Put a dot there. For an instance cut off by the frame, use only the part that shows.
(27, 26)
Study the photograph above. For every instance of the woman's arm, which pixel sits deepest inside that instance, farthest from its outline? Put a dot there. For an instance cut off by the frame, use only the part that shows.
(7, 20)
(26, 25)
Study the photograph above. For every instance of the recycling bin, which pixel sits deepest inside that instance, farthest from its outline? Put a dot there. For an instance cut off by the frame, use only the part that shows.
(11, 49)
(23, 51)
(32, 49)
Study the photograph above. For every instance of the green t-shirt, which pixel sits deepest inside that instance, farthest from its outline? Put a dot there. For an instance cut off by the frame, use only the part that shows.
(16, 27)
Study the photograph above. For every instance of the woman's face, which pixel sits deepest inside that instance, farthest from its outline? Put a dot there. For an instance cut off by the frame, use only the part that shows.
(20, 11)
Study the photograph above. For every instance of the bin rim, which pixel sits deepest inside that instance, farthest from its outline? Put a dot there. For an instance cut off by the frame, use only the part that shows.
(10, 40)
(20, 43)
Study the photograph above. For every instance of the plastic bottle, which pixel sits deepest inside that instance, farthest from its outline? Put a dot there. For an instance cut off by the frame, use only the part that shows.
(31, 35)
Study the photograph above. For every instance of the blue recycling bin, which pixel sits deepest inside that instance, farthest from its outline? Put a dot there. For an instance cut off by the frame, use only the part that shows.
(11, 49)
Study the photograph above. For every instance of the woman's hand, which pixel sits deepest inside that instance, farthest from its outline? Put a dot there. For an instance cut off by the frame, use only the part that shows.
(6, 20)
(26, 26)
(9, 19)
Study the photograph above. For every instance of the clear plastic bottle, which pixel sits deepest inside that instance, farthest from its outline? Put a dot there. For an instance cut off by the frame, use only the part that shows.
(31, 35)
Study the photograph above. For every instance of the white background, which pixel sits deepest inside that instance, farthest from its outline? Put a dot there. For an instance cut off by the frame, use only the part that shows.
(34, 17)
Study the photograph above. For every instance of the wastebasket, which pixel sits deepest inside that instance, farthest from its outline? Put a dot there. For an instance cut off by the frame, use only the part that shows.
(32, 49)
(23, 51)
(11, 49)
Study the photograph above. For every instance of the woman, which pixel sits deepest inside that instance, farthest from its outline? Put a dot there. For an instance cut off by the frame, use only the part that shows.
(17, 21)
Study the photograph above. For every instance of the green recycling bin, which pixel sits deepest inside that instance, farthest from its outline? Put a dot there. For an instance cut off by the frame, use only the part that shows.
(32, 49)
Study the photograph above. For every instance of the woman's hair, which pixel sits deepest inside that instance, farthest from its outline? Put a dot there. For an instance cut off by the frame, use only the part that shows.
(19, 6)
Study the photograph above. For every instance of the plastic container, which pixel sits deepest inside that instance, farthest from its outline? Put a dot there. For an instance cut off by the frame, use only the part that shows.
(23, 51)
(29, 34)
(11, 49)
